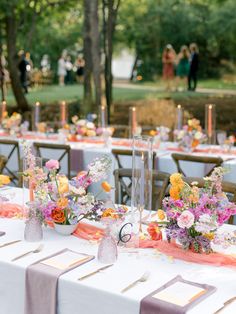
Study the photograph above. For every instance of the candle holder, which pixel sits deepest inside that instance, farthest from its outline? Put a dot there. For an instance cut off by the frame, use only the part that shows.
(103, 116)
(210, 123)
(36, 116)
(132, 121)
(63, 113)
(3, 110)
(141, 193)
(179, 118)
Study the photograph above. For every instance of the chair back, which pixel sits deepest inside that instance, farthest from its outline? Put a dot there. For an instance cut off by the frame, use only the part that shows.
(208, 160)
(229, 188)
(3, 161)
(123, 185)
(59, 152)
(11, 166)
(121, 157)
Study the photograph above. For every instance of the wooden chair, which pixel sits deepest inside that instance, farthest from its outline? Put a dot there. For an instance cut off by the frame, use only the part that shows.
(215, 161)
(9, 153)
(123, 185)
(3, 162)
(228, 187)
(63, 152)
(118, 153)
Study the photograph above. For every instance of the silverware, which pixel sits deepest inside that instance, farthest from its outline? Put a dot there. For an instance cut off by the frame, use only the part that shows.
(37, 250)
(9, 243)
(95, 272)
(143, 278)
(226, 303)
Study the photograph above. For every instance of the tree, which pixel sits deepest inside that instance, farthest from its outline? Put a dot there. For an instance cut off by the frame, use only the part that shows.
(91, 54)
(110, 11)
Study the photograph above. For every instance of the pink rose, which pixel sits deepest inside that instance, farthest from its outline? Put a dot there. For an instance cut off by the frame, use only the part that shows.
(52, 164)
(185, 220)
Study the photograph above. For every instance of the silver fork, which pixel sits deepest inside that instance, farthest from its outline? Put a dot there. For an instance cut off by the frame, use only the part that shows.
(37, 250)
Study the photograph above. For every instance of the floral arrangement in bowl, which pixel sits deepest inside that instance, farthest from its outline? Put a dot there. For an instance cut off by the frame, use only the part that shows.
(66, 202)
(161, 134)
(190, 136)
(195, 214)
(11, 123)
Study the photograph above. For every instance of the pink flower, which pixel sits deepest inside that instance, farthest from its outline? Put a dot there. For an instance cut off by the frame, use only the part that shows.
(186, 219)
(52, 164)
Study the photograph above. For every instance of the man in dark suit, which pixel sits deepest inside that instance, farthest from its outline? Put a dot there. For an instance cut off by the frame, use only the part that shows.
(194, 61)
(23, 71)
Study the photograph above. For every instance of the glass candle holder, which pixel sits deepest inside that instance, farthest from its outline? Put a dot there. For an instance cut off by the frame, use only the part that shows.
(210, 123)
(141, 193)
(103, 116)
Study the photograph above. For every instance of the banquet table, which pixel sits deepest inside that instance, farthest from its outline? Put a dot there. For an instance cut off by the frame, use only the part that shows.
(101, 293)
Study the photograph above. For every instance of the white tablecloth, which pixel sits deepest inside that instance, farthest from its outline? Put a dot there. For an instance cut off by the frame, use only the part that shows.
(101, 293)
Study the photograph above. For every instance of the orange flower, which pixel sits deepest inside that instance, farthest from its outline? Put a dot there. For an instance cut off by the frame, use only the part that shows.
(63, 184)
(174, 192)
(161, 214)
(58, 215)
(153, 133)
(110, 213)
(106, 186)
(176, 179)
(62, 203)
(195, 143)
(154, 231)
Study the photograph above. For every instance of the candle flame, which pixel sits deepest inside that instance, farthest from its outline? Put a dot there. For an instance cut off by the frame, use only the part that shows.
(179, 106)
(4, 103)
(133, 108)
(37, 103)
(63, 103)
(210, 106)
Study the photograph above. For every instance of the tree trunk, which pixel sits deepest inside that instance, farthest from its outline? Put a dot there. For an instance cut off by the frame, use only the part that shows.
(110, 10)
(96, 56)
(3, 96)
(11, 32)
(87, 105)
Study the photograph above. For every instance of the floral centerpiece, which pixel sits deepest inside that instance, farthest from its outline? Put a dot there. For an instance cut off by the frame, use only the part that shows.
(195, 214)
(86, 127)
(11, 123)
(161, 134)
(191, 135)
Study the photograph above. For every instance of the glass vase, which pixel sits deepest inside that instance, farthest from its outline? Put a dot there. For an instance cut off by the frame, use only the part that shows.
(107, 250)
(33, 225)
(141, 193)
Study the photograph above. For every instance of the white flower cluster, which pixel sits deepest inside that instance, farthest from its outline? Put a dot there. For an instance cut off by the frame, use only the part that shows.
(99, 168)
(206, 224)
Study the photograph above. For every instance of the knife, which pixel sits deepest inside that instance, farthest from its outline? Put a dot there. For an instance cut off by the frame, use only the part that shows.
(226, 303)
(95, 272)
(9, 243)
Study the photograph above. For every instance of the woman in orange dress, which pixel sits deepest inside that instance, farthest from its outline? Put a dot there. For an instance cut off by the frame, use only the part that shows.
(168, 61)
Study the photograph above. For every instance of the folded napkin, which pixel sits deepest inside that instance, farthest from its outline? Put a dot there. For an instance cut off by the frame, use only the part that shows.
(11, 210)
(41, 284)
(151, 304)
(2, 233)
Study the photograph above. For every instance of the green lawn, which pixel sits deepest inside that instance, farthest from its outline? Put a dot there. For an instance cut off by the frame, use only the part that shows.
(74, 93)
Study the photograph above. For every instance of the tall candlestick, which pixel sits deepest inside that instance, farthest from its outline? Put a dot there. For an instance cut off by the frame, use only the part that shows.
(63, 113)
(36, 114)
(3, 109)
(179, 117)
(132, 120)
(103, 117)
(210, 123)
(142, 180)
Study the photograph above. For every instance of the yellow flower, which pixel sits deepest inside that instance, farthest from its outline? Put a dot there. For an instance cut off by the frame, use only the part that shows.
(152, 133)
(63, 185)
(174, 192)
(62, 202)
(161, 214)
(210, 236)
(4, 180)
(176, 179)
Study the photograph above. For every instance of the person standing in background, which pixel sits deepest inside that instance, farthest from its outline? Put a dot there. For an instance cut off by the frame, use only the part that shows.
(61, 71)
(23, 71)
(29, 68)
(182, 67)
(194, 62)
(69, 68)
(79, 64)
(168, 61)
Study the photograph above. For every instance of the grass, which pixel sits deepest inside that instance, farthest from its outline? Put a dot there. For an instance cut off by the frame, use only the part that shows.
(74, 93)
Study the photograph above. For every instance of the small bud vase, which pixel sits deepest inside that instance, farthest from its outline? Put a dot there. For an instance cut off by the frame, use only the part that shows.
(33, 225)
(107, 250)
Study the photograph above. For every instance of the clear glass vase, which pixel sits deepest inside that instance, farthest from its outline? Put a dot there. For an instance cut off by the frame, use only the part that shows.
(107, 250)
(33, 225)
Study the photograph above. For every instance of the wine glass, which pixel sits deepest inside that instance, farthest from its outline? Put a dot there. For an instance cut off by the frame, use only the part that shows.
(221, 138)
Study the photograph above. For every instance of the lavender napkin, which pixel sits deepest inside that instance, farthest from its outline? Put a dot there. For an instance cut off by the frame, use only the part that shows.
(2, 233)
(151, 305)
(41, 286)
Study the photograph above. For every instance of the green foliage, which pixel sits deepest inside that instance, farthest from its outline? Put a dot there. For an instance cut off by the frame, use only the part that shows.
(150, 25)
